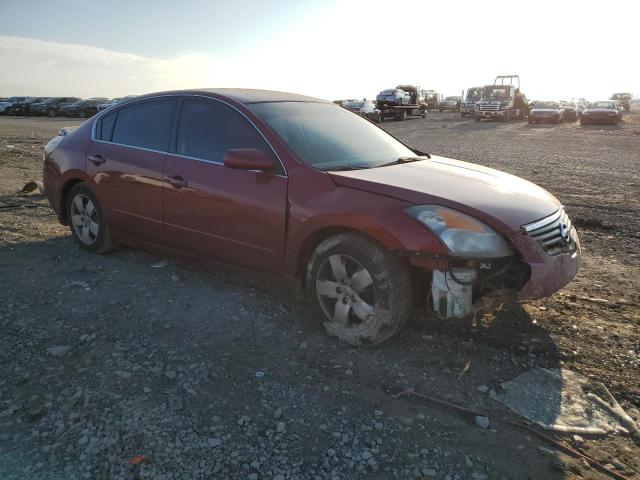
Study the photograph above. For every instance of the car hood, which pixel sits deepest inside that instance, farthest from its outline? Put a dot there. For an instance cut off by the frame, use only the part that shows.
(600, 110)
(546, 110)
(504, 201)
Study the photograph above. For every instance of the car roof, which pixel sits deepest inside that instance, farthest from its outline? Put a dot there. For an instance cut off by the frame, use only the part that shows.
(242, 95)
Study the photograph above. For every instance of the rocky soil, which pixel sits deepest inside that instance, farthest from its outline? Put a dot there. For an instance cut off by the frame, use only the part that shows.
(129, 366)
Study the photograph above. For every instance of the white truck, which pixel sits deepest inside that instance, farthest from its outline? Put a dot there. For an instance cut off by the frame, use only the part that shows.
(502, 101)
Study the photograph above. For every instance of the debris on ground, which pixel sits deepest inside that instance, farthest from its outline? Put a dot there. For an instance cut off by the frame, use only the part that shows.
(561, 400)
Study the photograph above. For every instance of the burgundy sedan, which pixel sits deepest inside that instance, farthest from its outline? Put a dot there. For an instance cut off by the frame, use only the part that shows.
(296, 187)
(600, 112)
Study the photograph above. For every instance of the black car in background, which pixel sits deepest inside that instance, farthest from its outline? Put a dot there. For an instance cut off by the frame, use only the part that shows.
(82, 108)
(23, 107)
(365, 108)
(51, 106)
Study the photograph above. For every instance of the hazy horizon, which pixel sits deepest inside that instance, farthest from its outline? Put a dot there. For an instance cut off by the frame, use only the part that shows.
(329, 50)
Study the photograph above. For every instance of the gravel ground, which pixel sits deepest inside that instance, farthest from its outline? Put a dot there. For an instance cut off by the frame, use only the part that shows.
(122, 367)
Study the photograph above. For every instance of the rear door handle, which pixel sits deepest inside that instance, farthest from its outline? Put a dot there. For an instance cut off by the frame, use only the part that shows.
(96, 159)
(177, 181)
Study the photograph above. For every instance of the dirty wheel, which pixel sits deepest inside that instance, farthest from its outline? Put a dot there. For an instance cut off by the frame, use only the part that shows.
(86, 220)
(361, 292)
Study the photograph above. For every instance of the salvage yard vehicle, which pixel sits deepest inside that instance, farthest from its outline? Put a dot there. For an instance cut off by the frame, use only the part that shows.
(570, 111)
(619, 108)
(297, 187)
(502, 101)
(451, 104)
(469, 99)
(624, 98)
(365, 108)
(546, 112)
(51, 106)
(412, 105)
(82, 108)
(393, 97)
(432, 99)
(23, 107)
(6, 104)
(604, 111)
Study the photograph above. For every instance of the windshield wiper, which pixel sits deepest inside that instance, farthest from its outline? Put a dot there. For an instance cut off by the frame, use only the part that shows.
(402, 160)
(345, 168)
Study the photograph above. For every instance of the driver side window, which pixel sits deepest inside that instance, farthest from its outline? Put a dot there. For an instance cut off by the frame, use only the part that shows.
(208, 128)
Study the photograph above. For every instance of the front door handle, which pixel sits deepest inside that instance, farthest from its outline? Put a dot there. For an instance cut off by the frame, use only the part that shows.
(177, 181)
(96, 159)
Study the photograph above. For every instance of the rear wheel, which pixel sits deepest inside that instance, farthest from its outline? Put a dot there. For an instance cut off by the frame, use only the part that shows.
(87, 221)
(361, 292)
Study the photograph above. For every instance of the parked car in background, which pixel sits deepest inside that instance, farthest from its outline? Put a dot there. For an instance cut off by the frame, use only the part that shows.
(23, 107)
(5, 104)
(624, 98)
(51, 106)
(366, 108)
(603, 111)
(82, 108)
(468, 105)
(393, 96)
(450, 104)
(114, 101)
(297, 187)
(546, 112)
(570, 111)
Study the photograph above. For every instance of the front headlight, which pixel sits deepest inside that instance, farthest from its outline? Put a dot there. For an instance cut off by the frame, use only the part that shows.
(463, 235)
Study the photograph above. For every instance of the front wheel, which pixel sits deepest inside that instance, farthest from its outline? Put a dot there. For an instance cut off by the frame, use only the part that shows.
(87, 221)
(361, 292)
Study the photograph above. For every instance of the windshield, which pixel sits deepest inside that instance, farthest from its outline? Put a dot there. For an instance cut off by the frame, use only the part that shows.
(474, 94)
(546, 105)
(493, 92)
(451, 99)
(50, 100)
(601, 105)
(79, 103)
(328, 137)
(354, 104)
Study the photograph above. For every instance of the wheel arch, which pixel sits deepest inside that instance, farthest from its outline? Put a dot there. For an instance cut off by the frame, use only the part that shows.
(63, 215)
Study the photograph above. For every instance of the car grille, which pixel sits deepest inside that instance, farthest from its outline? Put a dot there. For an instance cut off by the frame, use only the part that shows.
(555, 233)
(487, 107)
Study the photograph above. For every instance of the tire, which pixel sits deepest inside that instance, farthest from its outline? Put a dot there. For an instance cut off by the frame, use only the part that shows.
(82, 114)
(379, 118)
(87, 221)
(51, 112)
(476, 118)
(462, 114)
(361, 292)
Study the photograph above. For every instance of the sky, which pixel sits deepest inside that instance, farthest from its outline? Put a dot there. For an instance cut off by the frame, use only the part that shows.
(330, 49)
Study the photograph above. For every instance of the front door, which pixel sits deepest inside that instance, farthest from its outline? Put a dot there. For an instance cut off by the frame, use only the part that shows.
(211, 211)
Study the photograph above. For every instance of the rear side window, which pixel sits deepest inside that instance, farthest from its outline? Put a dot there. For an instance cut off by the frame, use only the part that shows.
(104, 131)
(145, 125)
(208, 128)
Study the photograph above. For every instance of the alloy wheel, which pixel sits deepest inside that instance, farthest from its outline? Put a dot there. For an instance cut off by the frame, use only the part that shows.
(84, 219)
(345, 291)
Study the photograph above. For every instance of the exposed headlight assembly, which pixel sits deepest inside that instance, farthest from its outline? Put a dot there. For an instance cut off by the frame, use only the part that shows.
(463, 235)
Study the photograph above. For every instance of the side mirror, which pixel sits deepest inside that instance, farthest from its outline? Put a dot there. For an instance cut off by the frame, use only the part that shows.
(248, 159)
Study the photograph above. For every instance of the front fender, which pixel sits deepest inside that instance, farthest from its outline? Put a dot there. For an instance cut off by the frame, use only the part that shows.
(341, 208)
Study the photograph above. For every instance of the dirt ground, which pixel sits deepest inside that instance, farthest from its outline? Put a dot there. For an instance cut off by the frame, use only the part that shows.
(117, 367)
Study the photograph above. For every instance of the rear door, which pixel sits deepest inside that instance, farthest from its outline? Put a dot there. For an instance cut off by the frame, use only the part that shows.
(126, 161)
(211, 211)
